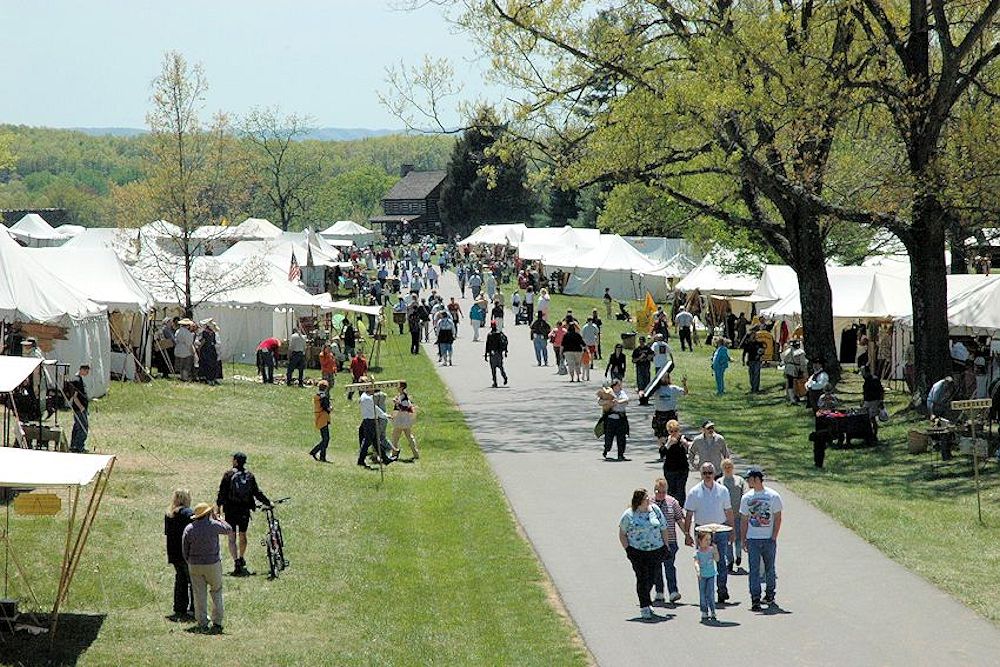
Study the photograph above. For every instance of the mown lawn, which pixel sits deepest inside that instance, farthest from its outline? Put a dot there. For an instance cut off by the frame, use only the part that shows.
(425, 568)
(917, 509)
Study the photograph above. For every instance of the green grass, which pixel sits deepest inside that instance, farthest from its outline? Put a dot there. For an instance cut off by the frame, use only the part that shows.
(425, 568)
(918, 510)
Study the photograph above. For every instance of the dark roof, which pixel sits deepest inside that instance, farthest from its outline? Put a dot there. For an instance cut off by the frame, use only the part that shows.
(416, 185)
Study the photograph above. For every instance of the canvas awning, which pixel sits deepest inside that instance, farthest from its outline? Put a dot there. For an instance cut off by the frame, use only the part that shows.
(32, 468)
(355, 308)
(14, 370)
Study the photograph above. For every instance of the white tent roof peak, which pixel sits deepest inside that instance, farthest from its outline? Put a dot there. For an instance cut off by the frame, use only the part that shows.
(346, 227)
(33, 226)
(257, 228)
(160, 228)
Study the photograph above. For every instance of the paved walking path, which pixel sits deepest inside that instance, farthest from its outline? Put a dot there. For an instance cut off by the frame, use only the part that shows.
(841, 601)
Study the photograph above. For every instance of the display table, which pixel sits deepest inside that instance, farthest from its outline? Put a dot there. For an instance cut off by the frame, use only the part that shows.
(845, 426)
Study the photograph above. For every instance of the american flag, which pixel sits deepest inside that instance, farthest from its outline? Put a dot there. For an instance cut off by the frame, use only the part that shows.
(294, 272)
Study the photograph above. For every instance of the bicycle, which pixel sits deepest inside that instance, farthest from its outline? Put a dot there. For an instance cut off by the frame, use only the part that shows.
(274, 542)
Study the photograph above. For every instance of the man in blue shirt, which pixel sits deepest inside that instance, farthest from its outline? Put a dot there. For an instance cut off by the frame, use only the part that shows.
(667, 396)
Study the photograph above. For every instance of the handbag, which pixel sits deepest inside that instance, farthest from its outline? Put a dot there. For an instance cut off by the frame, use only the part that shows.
(599, 427)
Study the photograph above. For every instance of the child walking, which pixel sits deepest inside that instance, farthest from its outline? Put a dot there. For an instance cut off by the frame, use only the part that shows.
(704, 564)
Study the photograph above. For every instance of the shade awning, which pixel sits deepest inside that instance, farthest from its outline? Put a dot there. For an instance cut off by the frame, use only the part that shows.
(32, 468)
(355, 308)
(13, 371)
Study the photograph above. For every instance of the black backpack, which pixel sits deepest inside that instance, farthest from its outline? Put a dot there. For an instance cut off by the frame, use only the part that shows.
(240, 487)
(503, 341)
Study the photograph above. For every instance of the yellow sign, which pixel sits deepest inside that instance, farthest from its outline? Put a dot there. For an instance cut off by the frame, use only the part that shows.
(974, 404)
(37, 504)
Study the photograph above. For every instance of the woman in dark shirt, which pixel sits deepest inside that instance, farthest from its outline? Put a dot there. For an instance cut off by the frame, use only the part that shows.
(572, 347)
(674, 454)
(176, 520)
(616, 364)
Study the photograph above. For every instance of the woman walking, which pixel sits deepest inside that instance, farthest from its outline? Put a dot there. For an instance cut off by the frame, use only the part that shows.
(642, 532)
(176, 520)
(615, 420)
(572, 349)
(328, 364)
(404, 414)
(477, 317)
(674, 453)
(720, 362)
(616, 364)
(321, 419)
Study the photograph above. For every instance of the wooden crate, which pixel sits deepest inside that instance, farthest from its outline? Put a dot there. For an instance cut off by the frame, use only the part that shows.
(917, 442)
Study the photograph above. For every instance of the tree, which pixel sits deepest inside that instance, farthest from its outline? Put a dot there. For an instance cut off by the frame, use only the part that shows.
(483, 183)
(640, 210)
(731, 109)
(286, 176)
(178, 186)
(351, 195)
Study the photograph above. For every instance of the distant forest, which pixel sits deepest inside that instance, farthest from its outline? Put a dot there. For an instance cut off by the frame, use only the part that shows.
(79, 172)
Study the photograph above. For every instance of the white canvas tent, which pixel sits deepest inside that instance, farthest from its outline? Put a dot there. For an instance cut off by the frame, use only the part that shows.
(973, 306)
(504, 234)
(777, 281)
(614, 264)
(257, 228)
(34, 232)
(350, 231)
(71, 230)
(29, 293)
(711, 279)
(543, 243)
(100, 275)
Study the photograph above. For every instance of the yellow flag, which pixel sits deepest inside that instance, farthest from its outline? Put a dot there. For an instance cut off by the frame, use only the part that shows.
(644, 318)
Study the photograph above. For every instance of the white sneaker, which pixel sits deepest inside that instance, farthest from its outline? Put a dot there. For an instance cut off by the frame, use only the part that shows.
(646, 612)
(674, 597)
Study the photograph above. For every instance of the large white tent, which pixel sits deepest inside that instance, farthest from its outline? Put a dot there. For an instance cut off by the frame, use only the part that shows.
(100, 275)
(973, 306)
(543, 243)
(711, 279)
(502, 234)
(34, 232)
(30, 293)
(614, 264)
(777, 281)
(350, 231)
(257, 228)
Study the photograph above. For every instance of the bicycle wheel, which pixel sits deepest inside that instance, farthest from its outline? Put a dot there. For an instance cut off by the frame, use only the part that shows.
(279, 542)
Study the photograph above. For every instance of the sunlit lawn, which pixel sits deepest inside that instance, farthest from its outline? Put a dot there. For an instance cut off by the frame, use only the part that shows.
(425, 568)
(917, 509)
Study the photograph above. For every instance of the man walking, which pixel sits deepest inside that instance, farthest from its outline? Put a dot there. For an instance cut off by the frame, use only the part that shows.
(662, 354)
(708, 447)
(475, 284)
(81, 414)
(321, 417)
(238, 492)
(760, 518)
(642, 357)
(184, 350)
(709, 502)
(368, 431)
(296, 356)
(685, 326)
(496, 350)
(200, 548)
(753, 358)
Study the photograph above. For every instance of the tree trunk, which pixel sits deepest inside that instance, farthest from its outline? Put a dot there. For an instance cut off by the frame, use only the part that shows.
(956, 241)
(815, 296)
(929, 293)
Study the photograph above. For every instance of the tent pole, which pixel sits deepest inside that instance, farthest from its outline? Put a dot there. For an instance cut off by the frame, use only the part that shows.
(65, 563)
(95, 503)
(20, 570)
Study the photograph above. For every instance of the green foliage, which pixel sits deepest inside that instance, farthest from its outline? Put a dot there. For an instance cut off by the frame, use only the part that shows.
(638, 209)
(486, 182)
(351, 195)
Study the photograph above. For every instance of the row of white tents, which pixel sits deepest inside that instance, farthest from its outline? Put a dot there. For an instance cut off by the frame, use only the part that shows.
(629, 267)
(105, 286)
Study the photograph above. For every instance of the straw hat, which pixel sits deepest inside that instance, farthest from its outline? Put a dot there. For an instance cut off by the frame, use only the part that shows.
(186, 322)
(201, 510)
(713, 528)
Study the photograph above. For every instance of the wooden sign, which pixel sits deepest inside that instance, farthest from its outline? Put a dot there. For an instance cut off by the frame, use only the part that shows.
(37, 504)
(974, 404)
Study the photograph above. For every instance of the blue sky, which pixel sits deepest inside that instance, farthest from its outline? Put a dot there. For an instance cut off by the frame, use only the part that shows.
(89, 64)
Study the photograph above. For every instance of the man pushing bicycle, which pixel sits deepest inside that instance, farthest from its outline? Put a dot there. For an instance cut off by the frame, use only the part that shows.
(238, 491)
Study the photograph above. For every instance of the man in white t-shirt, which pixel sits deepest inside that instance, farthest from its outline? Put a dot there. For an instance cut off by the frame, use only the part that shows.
(709, 502)
(661, 353)
(760, 517)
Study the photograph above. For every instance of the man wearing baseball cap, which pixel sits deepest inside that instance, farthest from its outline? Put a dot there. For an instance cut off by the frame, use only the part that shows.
(708, 447)
(760, 518)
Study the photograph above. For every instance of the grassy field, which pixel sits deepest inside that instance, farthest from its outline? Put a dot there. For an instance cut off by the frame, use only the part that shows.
(425, 568)
(917, 509)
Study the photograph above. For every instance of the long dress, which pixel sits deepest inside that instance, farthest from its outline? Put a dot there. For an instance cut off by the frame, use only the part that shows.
(209, 365)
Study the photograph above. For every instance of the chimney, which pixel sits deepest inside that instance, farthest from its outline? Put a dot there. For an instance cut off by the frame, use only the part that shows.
(404, 169)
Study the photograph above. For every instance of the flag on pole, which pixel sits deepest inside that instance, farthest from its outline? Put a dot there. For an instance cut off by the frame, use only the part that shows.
(644, 318)
(309, 254)
(294, 272)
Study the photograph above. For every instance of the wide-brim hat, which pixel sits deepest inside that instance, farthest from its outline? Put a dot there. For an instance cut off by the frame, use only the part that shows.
(200, 510)
(713, 528)
(186, 322)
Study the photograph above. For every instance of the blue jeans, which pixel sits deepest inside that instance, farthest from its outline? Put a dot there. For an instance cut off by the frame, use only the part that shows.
(722, 544)
(753, 368)
(81, 426)
(734, 550)
(765, 550)
(666, 567)
(541, 349)
(720, 381)
(706, 597)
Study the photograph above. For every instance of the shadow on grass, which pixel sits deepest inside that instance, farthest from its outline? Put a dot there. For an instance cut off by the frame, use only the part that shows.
(74, 635)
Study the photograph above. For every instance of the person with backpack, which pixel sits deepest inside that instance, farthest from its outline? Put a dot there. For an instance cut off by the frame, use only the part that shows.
(238, 491)
(496, 350)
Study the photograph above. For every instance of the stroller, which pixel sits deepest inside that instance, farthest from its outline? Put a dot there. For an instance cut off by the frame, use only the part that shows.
(521, 316)
(622, 315)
